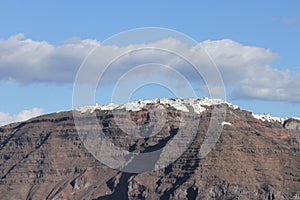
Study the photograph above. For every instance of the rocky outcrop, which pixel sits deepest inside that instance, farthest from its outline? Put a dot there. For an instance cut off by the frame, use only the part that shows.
(44, 158)
(292, 124)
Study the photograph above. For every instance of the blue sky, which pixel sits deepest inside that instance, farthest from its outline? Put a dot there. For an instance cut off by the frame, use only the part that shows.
(270, 25)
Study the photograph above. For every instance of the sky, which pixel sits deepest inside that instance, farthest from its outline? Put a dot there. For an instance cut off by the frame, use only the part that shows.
(254, 44)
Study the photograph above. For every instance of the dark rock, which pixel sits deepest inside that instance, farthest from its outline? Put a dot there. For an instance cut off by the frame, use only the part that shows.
(292, 124)
(43, 158)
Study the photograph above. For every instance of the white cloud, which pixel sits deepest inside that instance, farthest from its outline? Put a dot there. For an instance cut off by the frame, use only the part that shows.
(25, 60)
(245, 69)
(6, 118)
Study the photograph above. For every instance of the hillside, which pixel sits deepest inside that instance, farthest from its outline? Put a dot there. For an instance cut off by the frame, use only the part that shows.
(255, 157)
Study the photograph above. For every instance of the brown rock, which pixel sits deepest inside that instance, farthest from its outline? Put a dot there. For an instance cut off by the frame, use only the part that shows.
(44, 158)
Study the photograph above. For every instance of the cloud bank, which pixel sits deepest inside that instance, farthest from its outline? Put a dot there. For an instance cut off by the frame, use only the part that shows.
(246, 70)
(26, 61)
(6, 118)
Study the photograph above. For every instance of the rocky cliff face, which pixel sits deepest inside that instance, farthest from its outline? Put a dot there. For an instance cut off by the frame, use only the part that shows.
(292, 124)
(44, 158)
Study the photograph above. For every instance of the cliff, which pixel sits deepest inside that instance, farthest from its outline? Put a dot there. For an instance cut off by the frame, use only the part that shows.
(45, 158)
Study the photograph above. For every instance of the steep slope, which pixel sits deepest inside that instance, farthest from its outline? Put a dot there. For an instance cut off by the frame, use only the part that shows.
(44, 158)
